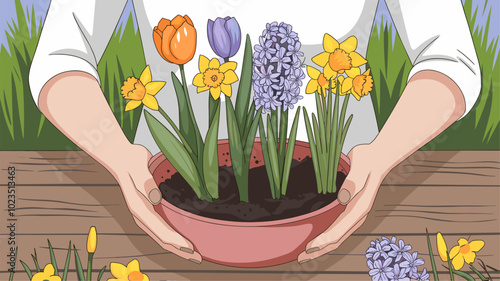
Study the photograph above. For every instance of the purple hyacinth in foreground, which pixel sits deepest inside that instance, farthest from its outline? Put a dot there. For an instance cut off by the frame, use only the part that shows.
(390, 259)
(278, 73)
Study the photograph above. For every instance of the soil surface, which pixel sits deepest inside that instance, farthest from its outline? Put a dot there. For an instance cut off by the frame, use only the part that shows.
(301, 198)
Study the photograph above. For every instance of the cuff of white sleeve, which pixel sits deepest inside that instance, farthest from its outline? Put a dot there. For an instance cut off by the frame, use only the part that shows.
(469, 81)
(45, 68)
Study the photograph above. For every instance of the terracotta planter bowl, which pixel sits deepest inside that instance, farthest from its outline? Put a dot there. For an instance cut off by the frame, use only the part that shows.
(246, 244)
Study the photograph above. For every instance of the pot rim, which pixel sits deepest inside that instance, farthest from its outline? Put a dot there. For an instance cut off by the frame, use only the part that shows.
(159, 158)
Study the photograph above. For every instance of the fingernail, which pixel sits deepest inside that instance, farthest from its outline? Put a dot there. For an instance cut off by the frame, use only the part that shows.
(304, 261)
(187, 250)
(195, 261)
(344, 196)
(155, 196)
(312, 250)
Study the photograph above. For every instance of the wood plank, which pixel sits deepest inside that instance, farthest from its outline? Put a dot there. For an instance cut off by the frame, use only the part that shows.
(450, 168)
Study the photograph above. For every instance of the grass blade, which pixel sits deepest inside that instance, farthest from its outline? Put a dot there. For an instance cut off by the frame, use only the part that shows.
(35, 260)
(27, 269)
(53, 258)
(78, 265)
(101, 273)
(464, 275)
(289, 153)
(210, 156)
(431, 256)
(66, 265)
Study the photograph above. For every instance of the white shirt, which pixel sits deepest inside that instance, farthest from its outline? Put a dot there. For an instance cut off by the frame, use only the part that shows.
(435, 35)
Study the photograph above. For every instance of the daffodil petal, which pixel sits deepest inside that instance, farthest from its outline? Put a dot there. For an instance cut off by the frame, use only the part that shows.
(476, 245)
(133, 265)
(356, 95)
(313, 72)
(49, 269)
(353, 72)
(150, 101)
(133, 104)
(146, 278)
(119, 270)
(329, 43)
(145, 76)
(356, 59)
(328, 72)
(215, 92)
(312, 86)
(347, 85)
(441, 246)
(226, 89)
(462, 241)
(469, 257)
(349, 45)
(229, 77)
(203, 63)
(214, 63)
(321, 59)
(152, 88)
(202, 89)
(198, 80)
(458, 262)
(54, 278)
(454, 252)
(228, 65)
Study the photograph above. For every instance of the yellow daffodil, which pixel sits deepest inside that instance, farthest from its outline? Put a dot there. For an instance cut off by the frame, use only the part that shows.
(339, 58)
(318, 82)
(46, 275)
(359, 86)
(92, 240)
(131, 272)
(215, 77)
(465, 252)
(441, 245)
(141, 90)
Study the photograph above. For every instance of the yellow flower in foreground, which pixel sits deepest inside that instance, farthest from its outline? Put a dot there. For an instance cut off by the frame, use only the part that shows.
(131, 272)
(465, 252)
(339, 58)
(215, 77)
(141, 90)
(318, 82)
(46, 275)
(92, 240)
(359, 86)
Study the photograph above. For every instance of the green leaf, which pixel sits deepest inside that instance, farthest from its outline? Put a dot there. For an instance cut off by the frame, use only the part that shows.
(282, 139)
(101, 273)
(249, 120)
(66, 265)
(265, 154)
(494, 269)
(78, 265)
(185, 121)
(175, 153)
(250, 138)
(312, 147)
(321, 121)
(245, 87)
(289, 152)
(431, 256)
(212, 107)
(210, 156)
(53, 258)
(11, 276)
(35, 260)
(27, 269)
(273, 154)
(464, 275)
(237, 153)
(334, 136)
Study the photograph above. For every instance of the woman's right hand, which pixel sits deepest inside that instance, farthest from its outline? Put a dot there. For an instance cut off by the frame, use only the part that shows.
(141, 194)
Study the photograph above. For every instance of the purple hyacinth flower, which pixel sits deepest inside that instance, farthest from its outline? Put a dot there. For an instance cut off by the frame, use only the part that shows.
(398, 274)
(268, 76)
(398, 250)
(379, 250)
(411, 262)
(294, 50)
(224, 36)
(424, 276)
(264, 49)
(380, 271)
(281, 60)
(286, 34)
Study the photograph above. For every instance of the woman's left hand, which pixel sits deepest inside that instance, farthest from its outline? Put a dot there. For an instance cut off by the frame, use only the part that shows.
(358, 193)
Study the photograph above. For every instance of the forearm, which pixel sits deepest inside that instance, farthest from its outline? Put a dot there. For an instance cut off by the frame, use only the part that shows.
(75, 104)
(430, 103)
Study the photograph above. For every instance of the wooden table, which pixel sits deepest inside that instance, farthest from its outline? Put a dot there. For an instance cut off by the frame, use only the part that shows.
(60, 194)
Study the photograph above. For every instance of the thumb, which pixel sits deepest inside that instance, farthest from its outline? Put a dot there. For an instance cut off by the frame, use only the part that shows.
(352, 185)
(147, 187)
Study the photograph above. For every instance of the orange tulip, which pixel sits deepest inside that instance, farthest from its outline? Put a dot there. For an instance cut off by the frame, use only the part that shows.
(175, 40)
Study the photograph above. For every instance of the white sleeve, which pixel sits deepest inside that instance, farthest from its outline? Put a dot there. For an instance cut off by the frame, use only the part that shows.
(436, 37)
(74, 36)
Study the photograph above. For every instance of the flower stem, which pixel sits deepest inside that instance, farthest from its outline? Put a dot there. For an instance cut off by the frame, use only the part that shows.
(89, 267)
(450, 267)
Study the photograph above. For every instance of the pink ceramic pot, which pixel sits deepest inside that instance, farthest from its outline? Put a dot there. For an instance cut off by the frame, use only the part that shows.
(246, 244)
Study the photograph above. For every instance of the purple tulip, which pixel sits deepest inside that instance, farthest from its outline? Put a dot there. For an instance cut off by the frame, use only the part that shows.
(224, 35)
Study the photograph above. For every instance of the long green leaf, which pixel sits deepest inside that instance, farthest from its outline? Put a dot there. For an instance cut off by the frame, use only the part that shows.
(53, 258)
(249, 121)
(176, 153)
(321, 121)
(35, 260)
(250, 138)
(273, 154)
(78, 265)
(312, 147)
(334, 136)
(431, 256)
(282, 139)
(289, 153)
(464, 275)
(27, 269)
(316, 133)
(236, 149)
(101, 273)
(267, 161)
(245, 87)
(66, 265)
(210, 156)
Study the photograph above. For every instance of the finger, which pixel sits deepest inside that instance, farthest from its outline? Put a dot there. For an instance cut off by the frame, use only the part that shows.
(184, 252)
(352, 185)
(146, 185)
(313, 253)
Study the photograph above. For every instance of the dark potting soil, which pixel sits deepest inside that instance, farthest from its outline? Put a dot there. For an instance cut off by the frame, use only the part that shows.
(301, 198)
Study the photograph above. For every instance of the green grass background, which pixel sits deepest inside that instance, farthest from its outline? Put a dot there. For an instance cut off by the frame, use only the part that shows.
(23, 127)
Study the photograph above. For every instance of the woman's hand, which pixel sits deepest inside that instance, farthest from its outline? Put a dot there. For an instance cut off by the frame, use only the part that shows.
(358, 192)
(141, 194)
